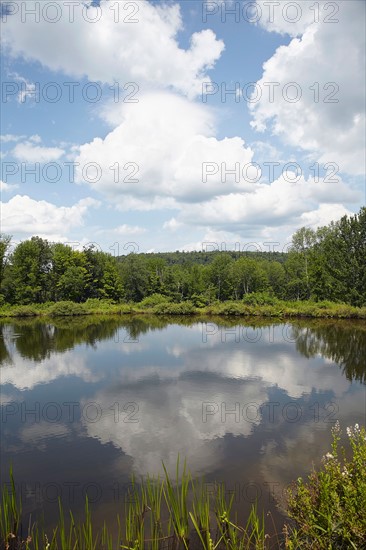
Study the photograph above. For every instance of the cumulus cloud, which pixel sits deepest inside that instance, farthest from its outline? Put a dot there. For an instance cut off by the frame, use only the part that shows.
(28, 152)
(291, 18)
(319, 94)
(26, 216)
(6, 187)
(160, 147)
(281, 202)
(168, 156)
(129, 41)
(6, 138)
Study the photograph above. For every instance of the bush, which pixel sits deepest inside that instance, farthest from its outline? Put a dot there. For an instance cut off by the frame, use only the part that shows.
(23, 311)
(329, 509)
(199, 300)
(67, 308)
(184, 308)
(260, 299)
(232, 308)
(154, 300)
(97, 304)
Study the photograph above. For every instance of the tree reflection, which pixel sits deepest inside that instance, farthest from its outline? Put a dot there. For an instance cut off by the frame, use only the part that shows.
(343, 342)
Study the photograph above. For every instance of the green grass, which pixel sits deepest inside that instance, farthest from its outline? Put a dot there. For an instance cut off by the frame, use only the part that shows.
(327, 511)
(251, 305)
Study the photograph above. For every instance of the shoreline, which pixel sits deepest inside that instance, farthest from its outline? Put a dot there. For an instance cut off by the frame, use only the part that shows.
(280, 310)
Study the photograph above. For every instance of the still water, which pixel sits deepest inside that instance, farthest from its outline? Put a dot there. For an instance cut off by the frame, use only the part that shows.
(87, 402)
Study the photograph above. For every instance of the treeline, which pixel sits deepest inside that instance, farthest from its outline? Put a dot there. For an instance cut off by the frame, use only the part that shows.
(327, 264)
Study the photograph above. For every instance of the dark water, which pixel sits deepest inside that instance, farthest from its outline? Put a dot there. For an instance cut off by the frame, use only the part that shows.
(86, 402)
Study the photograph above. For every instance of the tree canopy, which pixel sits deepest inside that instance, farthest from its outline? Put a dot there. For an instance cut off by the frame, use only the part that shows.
(324, 264)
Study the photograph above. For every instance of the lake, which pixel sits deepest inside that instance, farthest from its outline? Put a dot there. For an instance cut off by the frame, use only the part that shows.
(249, 403)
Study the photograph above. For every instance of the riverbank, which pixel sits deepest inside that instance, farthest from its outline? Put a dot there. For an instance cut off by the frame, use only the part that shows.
(276, 308)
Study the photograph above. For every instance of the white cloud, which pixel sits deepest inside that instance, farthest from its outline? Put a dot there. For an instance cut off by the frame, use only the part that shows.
(6, 138)
(279, 203)
(35, 138)
(160, 148)
(172, 224)
(326, 69)
(167, 140)
(145, 52)
(323, 215)
(6, 187)
(126, 229)
(25, 216)
(27, 88)
(28, 152)
(291, 18)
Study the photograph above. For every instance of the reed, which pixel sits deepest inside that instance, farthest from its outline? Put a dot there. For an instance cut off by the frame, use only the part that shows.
(327, 511)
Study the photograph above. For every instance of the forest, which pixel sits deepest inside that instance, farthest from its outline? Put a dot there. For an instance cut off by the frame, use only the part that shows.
(327, 264)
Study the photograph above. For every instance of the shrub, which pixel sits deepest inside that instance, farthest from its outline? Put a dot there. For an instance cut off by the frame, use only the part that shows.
(97, 304)
(184, 308)
(67, 308)
(154, 300)
(260, 299)
(23, 311)
(231, 308)
(199, 300)
(329, 509)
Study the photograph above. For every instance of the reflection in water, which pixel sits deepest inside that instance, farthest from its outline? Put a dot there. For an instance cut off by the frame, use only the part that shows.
(343, 342)
(93, 399)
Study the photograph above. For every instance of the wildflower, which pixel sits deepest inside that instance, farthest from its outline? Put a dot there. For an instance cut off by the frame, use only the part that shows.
(329, 456)
(349, 431)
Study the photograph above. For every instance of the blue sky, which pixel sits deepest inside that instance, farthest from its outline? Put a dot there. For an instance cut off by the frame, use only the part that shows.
(169, 125)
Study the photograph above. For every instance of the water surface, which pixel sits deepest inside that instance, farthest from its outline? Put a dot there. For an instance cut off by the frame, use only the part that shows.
(86, 402)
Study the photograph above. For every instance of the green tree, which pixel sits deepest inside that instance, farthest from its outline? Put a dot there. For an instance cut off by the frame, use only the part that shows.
(71, 284)
(248, 276)
(302, 242)
(31, 265)
(5, 241)
(276, 277)
(218, 273)
(135, 277)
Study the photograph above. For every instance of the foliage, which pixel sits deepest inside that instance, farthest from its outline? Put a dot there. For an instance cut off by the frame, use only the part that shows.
(67, 308)
(154, 300)
(260, 299)
(326, 265)
(184, 308)
(329, 508)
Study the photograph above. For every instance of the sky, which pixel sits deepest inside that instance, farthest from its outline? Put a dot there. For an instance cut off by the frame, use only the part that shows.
(152, 126)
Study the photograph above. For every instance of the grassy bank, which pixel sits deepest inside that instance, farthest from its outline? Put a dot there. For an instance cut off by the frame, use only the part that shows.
(324, 511)
(252, 306)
